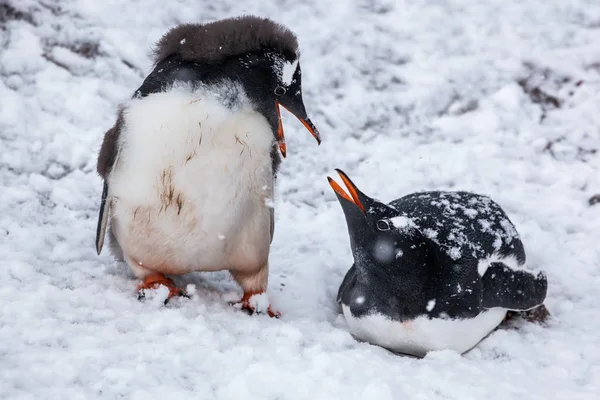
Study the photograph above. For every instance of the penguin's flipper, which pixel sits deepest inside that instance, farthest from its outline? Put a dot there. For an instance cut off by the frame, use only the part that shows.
(102, 219)
(272, 215)
(348, 282)
(459, 290)
(517, 290)
(107, 159)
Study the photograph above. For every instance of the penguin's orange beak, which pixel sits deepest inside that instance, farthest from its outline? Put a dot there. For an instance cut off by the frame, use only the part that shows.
(280, 137)
(353, 197)
(304, 120)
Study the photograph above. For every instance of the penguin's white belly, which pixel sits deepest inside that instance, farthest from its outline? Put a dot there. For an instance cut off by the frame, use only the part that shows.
(421, 335)
(191, 183)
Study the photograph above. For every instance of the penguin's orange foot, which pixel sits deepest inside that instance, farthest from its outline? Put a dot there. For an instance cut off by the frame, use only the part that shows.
(251, 309)
(154, 281)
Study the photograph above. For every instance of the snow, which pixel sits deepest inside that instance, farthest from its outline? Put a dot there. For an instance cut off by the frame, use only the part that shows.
(454, 253)
(430, 305)
(384, 250)
(287, 72)
(402, 223)
(430, 233)
(497, 97)
(260, 302)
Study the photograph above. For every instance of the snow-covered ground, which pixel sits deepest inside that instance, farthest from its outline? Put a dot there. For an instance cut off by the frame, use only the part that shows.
(500, 97)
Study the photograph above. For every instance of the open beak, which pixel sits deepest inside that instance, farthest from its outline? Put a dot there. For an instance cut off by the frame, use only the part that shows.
(305, 121)
(353, 197)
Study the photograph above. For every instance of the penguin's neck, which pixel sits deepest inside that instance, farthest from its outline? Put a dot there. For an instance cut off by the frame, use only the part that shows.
(394, 276)
(401, 290)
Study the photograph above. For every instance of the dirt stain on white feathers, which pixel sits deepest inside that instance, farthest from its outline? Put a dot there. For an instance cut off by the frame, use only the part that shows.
(244, 145)
(167, 194)
(190, 156)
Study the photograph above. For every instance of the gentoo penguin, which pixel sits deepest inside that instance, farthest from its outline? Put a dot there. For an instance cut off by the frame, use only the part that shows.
(190, 164)
(432, 270)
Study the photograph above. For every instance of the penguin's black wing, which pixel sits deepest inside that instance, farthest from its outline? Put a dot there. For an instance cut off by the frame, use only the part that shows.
(272, 217)
(348, 282)
(456, 289)
(102, 220)
(106, 160)
(514, 290)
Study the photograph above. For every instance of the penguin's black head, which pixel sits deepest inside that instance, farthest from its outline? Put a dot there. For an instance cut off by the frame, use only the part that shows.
(273, 80)
(381, 239)
(260, 55)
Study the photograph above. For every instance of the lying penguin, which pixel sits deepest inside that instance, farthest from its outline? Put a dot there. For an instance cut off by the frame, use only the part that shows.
(432, 270)
(189, 166)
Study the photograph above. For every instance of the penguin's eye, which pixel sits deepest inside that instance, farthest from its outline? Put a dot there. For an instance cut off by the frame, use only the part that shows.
(279, 90)
(383, 225)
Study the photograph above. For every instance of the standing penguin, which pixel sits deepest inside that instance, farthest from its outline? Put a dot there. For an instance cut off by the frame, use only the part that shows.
(190, 164)
(432, 270)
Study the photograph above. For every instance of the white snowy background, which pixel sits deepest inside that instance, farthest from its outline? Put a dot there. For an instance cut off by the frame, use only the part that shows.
(500, 97)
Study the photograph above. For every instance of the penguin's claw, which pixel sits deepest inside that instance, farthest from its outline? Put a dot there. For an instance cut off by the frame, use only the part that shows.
(246, 306)
(251, 310)
(154, 281)
(539, 314)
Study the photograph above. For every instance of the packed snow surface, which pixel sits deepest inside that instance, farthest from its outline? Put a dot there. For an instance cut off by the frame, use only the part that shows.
(499, 97)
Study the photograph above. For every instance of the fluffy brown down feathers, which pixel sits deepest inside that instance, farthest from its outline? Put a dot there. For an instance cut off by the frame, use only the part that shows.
(216, 41)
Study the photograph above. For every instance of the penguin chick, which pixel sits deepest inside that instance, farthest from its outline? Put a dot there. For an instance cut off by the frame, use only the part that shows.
(432, 270)
(190, 164)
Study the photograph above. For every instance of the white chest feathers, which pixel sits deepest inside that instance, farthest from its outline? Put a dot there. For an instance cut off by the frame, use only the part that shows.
(422, 335)
(191, 183)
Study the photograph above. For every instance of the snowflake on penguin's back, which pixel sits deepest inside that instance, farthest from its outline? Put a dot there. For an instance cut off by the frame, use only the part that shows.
(462, 221)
